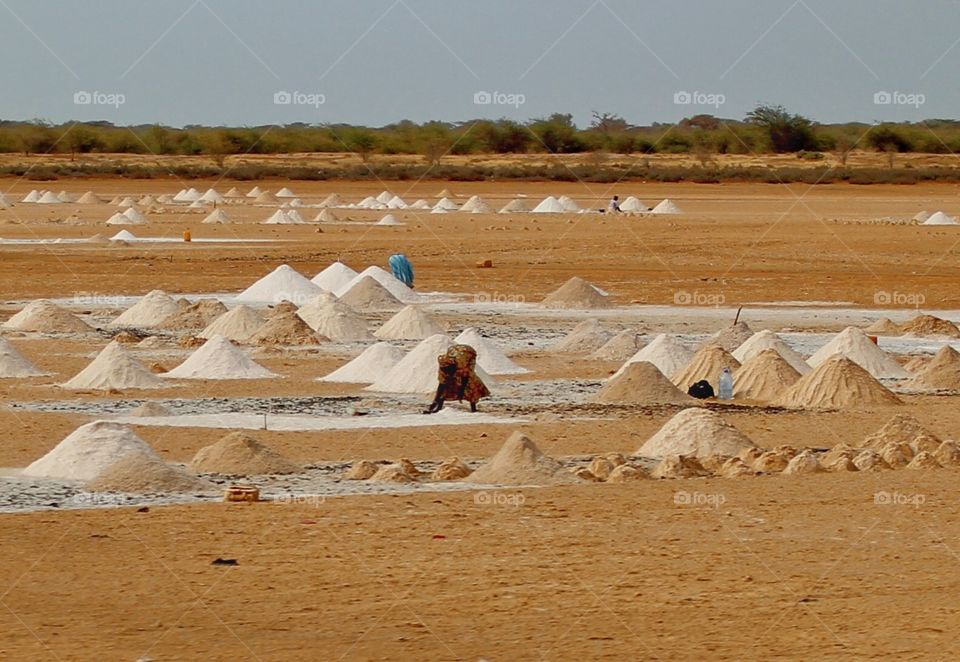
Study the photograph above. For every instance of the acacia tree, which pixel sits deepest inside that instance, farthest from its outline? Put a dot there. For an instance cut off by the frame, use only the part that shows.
(787, 133)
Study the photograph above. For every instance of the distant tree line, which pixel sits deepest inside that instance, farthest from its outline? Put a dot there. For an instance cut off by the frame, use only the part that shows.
(766, 129)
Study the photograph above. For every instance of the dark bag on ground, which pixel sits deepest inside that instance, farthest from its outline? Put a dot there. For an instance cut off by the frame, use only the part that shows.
(701, 390)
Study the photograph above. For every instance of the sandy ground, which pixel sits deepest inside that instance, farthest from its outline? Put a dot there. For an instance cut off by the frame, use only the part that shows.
(764, 568)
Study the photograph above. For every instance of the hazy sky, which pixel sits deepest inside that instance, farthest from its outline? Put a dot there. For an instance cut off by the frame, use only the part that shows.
(378, 61)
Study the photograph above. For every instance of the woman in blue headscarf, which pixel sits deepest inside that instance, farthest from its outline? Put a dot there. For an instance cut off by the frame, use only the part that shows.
(402, 269)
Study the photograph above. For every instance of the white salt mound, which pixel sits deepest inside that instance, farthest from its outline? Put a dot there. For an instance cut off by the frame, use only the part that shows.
(411, 323)
(520, 462)
(633, 204)
(334, 319)
(42, 316)
(698, 432)
(236, 325)
(666, 352)
(216, 216)
(767, 339)
(334, 277)
(90, 450)
(667, 206)
(385, 278)
(587, 336)
(549, 205)
(114, 368)
(939, 218)
(218, 358)
(489, 357)
(282, 284)
(374, 361)
(149, 311)
(390, 219)
(417, 371)
(515, 206)
(856, 346)
(13, 364)
(369, 295)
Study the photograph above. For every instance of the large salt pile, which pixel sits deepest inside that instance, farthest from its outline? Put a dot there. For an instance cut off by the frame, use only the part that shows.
(89, 198)
(942, 373)
(236, 325)
(706, 364)
(730, 337)
(393, 285)
(641, 383)
(837, 382)
(764, 377)
(374, 361)
(336, 276)
(390, 219)
(577, 293)
(489, 357)
(515, 206)
(568, 204)
(283, 283)
(767, 339)
(667, 206)
(285, 329)
(90, 450)
(619, 348)
(939, 218)
(333, 319)
(254, 192)
(667, 353)
(326, 216)
(135, 474)
(633, 204)
(856, 346)
(549, 205)
(369, 295)
(476, 205)
(901, 429)
(217, 216)
(697, 432)
(929, 325)
(281, 217)
(240, 454)
(587, 336)
(148, 312)
(411, 323)
(195, 316)
(218, 358)
(883, 327)
(114, 368)
(13, 364)
(332, 200)
(42, 316)
(417, 371)
(445, 204)
(266, 198)
(136, 218)
(520, 462)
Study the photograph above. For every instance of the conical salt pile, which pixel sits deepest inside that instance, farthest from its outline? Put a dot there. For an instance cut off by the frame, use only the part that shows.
(706, 364)
(476, 205)
(901, 429)
(120, 219)
(417, 371)
(89, 198)
(333, 319)
(667, 206)
(240, 454)
(211, 195)
(369, 295)
(49, 198)
(587, 336)
(279, 217)
(195, 316)
(13, 364)
(697, 432)
(568, 204)
(515, 206)
(236, 325)
(941, 373)
(335, 277)
(641, 383)
(764, 377)
(373, 362)
(619, 348)
(633, 204)
(766, 339)
(32, 196)
(730, 337)
(520, 462)
(332, 200)
(929, 325)
(148, 409)
(577, 293)
(42, 316)
(286, 193)
(445, 204)
(489, 357)
(411, 323)
(90, 450)
(286, 329)
(667, 353)
(393, 285)
(549, 205)
(144, 475)
(114, 368)
(385, 197)
(883, 327)
(254, 192)
(445, 193)
(837, 383)
(282, 284)
(266, 198)
(234, 192)
(218, 358)
(390, 219)
(150, 311)
(217, 216)
(921, 216)
(136, 218)
(939, 218)
(326, 216)
(856, 346)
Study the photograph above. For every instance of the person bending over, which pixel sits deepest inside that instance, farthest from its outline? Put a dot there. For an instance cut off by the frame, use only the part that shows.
(458, 379)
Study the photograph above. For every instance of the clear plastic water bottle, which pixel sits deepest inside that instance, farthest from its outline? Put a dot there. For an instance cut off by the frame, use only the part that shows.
(726, 385)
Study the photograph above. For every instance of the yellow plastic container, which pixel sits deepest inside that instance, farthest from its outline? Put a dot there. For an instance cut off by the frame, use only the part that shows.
(187, 236)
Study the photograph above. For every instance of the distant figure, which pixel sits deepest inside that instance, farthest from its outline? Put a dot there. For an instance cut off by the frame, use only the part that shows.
(401, 268)
(458, 379)
(614, 204)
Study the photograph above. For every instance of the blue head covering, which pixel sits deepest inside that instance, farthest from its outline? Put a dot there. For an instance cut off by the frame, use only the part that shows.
(402, 269)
